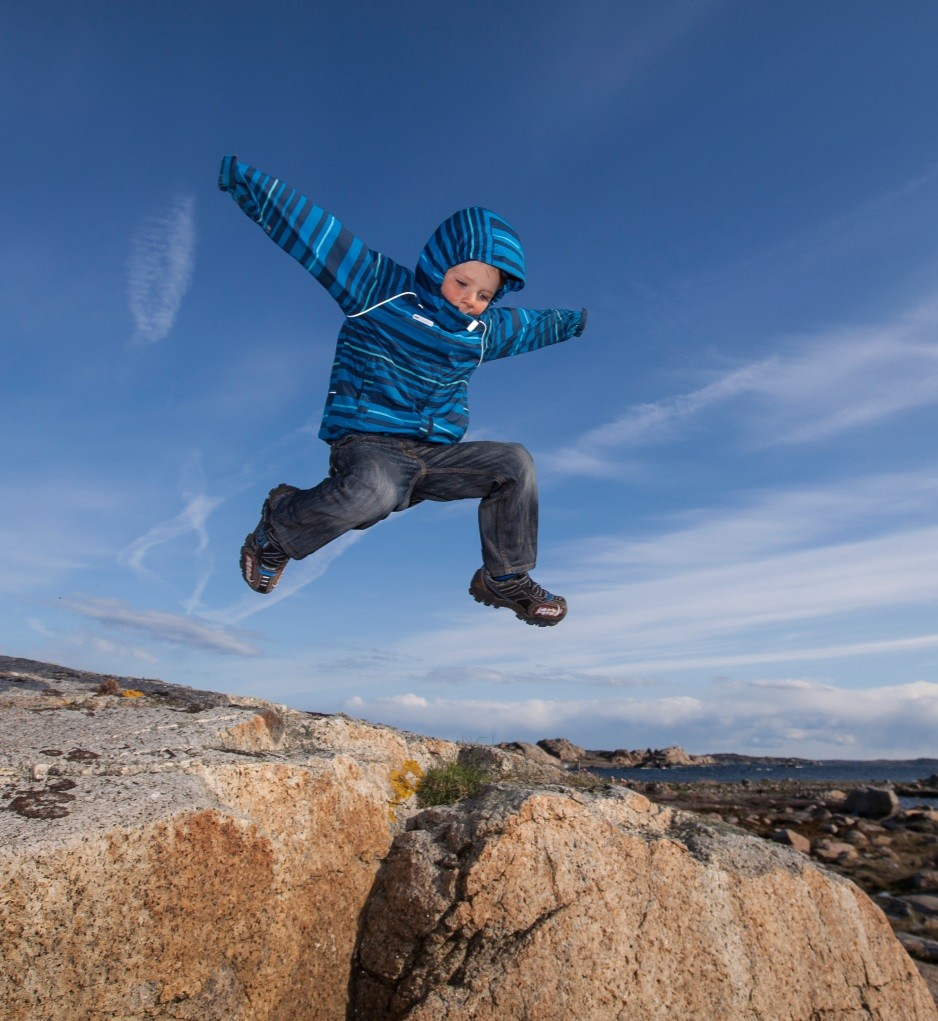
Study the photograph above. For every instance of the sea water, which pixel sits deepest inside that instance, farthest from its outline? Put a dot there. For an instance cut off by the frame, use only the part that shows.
(828, 771)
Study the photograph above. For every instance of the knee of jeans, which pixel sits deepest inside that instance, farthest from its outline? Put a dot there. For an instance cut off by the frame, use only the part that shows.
(369, 500)
(519, 462)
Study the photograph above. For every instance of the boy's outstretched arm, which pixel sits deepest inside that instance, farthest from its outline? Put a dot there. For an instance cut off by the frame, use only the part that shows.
(352, 273)
(513, 331)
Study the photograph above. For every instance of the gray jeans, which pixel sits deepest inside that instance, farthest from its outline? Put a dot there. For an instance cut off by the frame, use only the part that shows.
(371, 476)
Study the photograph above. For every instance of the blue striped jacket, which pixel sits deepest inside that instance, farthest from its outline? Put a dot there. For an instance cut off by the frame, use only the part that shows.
(404, 354)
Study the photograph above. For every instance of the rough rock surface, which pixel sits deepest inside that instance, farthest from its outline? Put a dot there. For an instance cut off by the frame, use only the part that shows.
(181, 854)
(177, 855)
(553, 905)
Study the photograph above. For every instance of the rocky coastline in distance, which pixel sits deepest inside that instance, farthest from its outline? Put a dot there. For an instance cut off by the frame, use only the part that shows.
(549, 750)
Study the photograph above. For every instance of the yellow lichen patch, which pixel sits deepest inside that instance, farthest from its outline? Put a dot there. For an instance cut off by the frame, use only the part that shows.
(131, 693)
(404, 783)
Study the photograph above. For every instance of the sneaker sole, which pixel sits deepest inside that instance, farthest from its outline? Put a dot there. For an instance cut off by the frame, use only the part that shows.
(487, 598)
(255, 576)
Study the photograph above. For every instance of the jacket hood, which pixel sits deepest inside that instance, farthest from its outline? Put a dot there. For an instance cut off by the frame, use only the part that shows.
(469, 235)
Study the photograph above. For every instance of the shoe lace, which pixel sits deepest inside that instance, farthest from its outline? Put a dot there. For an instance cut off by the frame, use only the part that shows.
(270, 554)
(525, 586)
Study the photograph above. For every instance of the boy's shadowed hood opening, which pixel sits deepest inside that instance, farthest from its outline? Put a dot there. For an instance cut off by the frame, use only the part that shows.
(473, 234)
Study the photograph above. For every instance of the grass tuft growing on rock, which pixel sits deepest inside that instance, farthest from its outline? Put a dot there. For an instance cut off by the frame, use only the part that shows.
(446, 784)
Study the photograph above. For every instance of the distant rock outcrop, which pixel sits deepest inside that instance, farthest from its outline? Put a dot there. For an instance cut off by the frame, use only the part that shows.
(531, 752)
(169, 854)
(647, 758)
(561, 749)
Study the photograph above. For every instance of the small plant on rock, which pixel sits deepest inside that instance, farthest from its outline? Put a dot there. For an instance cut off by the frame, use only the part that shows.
(446, 784)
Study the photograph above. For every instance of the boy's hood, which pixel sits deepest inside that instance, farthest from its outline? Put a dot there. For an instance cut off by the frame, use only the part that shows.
(472, 234)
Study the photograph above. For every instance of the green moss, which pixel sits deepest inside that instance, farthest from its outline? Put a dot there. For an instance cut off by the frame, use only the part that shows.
(444, 785)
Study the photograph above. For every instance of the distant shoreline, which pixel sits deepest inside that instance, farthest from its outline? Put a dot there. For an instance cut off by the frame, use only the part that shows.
(563, 752)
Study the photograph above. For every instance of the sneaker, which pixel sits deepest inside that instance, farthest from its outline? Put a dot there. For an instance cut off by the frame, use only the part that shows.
(531, 603)
(262, 560)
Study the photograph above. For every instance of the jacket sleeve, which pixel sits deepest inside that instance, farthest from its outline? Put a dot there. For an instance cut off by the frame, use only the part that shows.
(352, 273)
(512, 331)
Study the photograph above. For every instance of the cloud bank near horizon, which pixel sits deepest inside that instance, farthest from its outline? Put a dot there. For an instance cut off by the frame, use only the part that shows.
(803, 717)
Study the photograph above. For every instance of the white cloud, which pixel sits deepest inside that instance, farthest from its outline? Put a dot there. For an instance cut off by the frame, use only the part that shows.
(99, 645)
(463, 676)
(825, 385)
(762, 522)
(297, 576)
(647, 424)
(810, 575)
(192, 518)
(163, 627)
(159, 270)
(715, 615)
(198, 507)
(803, 717)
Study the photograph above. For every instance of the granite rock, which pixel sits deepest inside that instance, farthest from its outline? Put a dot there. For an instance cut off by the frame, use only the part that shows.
(553, 905)
(173, 854)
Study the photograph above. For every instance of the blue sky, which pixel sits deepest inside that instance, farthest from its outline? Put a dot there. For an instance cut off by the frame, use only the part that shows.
(738, 468)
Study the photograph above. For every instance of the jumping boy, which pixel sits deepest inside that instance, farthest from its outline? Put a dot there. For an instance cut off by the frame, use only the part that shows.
(397, 405)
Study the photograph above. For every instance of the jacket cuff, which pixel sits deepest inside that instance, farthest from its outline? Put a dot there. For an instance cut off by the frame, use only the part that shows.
(583, 317)
(226, 173)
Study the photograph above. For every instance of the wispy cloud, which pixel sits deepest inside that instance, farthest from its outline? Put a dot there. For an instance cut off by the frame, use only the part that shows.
(801, 716)
(100, 645)
(172, 628)
(198, 506)
(296, 577)
(611, 48)
(814, 574)
(709, 616)
(159, 270)
(463, 676)
(192, 518)
(760, 523)
(648, 424)
(820, 387)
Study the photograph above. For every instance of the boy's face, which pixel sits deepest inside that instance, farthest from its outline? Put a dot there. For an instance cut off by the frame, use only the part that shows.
(470, 286)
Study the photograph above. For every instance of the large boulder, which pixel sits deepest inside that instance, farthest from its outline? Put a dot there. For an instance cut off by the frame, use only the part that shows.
(172, 854)
(871, 802)
(554, 905)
